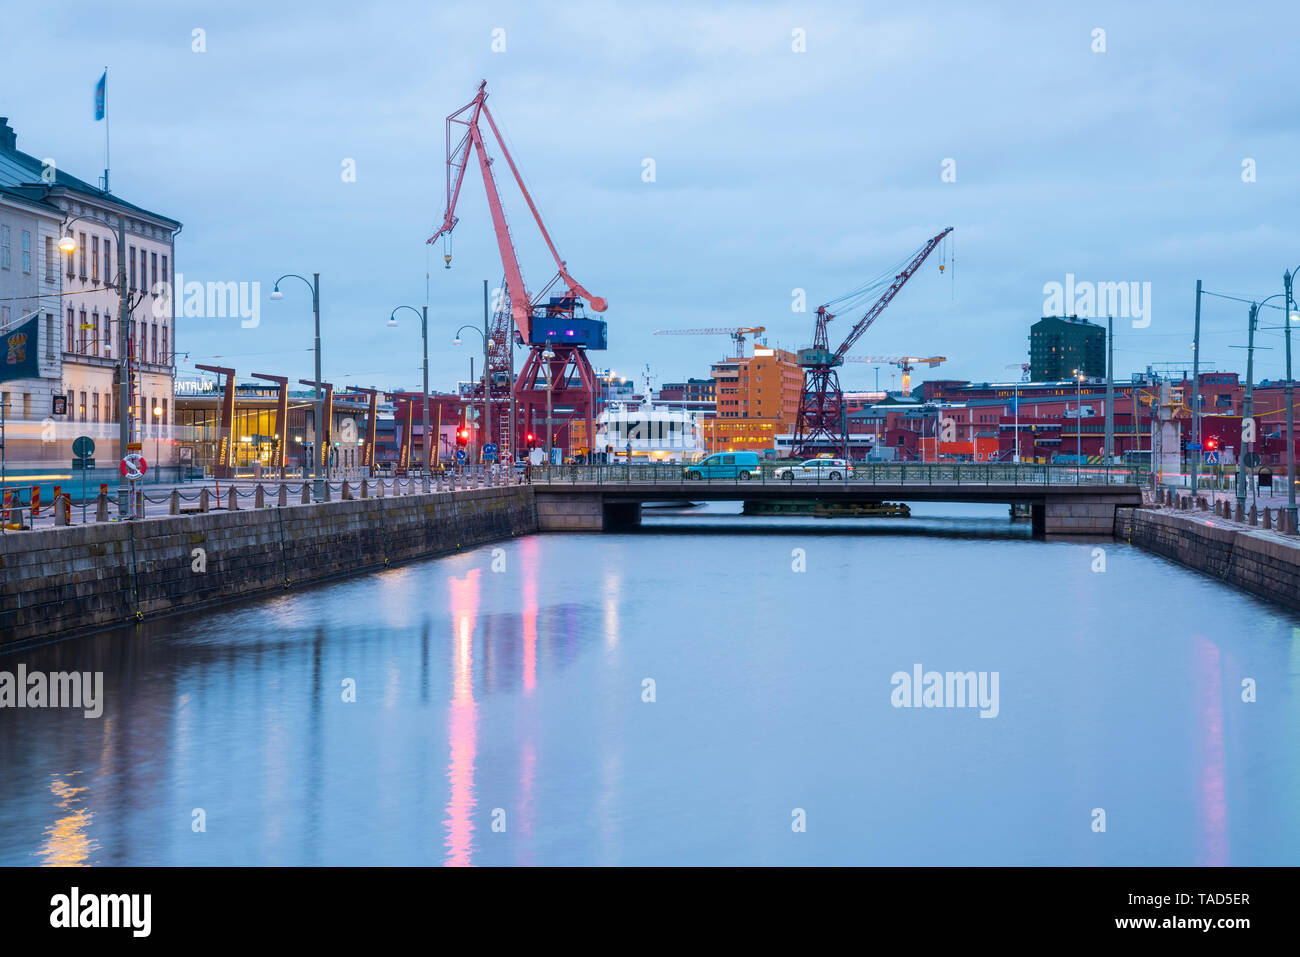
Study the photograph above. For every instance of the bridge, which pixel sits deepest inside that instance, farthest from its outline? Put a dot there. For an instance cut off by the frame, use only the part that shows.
(1062, 500)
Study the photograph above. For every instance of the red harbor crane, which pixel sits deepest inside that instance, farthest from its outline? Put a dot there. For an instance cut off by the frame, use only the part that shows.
(821, 424)
(557, 374)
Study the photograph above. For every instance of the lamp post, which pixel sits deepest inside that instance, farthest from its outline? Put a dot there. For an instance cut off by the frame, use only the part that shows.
(157, 456)
(1248, 405)
(318, 484)
(1287, 278)
(423, 313)
(548, 355)
(1078, 423)
(487, 396)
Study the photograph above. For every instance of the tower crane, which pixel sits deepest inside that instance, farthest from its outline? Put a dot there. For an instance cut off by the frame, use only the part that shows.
(904, 363)
(1023, 367)
(821, 419)
(555, 328)
(737, 334)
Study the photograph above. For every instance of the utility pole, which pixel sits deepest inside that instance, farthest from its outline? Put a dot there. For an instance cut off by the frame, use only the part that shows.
(1247, 407)
(124, 371)
(1290, 412)
(487, 373)
(1196, 394)
(1109, 450)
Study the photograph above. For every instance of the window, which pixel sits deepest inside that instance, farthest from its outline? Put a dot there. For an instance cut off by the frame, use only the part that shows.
(94, 335)
(94, 258)
(49, 259)
(83, 407)
(153, 273)
(166, 357)
(68, 340)
(27, 251)
(4, 247)
(166, 276)
(49, 335)
(108, 262)
(153, 343)
(81, 255)
(27, 405)
(94, 407)
(4, 317)
(82, 339)
(108, 334)
(131, 260)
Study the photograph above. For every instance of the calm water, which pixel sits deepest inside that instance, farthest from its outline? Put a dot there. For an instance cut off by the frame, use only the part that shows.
(521, 689)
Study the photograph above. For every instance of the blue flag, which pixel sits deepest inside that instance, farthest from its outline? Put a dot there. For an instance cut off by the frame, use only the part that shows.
(99, 96)
(18, 352)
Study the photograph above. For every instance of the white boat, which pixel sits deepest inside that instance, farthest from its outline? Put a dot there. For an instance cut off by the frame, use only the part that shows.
(653, 433)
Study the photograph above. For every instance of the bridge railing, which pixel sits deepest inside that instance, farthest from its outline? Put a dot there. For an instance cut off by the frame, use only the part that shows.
(873, 473)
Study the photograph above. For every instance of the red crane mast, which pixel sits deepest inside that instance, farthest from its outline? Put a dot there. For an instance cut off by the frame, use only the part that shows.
(821, 424)
(551, 365)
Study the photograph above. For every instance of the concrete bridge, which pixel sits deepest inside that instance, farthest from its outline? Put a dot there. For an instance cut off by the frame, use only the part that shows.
(1062, 500)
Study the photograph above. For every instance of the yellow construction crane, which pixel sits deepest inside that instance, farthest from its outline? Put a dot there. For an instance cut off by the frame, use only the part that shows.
(905, 363)
(737, 334)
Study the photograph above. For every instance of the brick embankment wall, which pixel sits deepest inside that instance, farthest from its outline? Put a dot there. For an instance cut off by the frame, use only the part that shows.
(1263, 563)
(70, 580)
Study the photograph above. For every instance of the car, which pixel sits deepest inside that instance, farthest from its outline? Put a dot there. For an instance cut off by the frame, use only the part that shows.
(725, 465)
(816, 470)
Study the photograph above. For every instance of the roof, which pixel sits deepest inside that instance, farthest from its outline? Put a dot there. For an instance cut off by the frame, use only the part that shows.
(24, 170)
(30, 196)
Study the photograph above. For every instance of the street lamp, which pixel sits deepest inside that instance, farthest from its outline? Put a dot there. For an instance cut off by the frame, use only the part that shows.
(157, 456)
(1078, 422)
(318, 485)
(487, 380)
(1287, 278)
(423, 313)
(548, 354)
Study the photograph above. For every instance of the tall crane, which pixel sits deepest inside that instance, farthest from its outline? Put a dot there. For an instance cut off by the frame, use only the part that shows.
(905, 363)
(555, 328)
(737, 334)
(821, 422)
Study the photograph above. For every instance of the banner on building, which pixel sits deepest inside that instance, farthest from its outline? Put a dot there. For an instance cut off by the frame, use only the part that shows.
(18, 352)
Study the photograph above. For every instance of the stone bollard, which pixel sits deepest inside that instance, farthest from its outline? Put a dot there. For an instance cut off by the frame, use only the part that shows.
(365, 489)
(329, 493)
(101, 507)
(1201, 504)
(1169, 496)
(379, 488)
(283, 498)
(1240, 514)
(175, 507)
(306, 493)
(1268, 519)
(259, 497)
(232, 500)
(347, 491)
(203, 500)
(1254, 516)
(1283, 521)
(59, 517)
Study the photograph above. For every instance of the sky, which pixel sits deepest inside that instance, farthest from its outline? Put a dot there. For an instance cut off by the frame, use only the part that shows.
(795, 147)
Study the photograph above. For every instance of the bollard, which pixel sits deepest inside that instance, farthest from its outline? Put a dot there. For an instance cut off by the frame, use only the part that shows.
(203, 499)
(259, 497)
(60, 517)
(36, 501)
(283, 498)
(1254, 516)
(347, 491)
(329, 492)
(379, 483)
(174, 507)
(365, 489)
(1268, 519)
(1240, 514)
(101, 507)
(232, 500)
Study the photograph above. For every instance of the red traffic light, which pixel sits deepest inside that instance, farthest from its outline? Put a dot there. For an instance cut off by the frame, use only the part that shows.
(1212, 443)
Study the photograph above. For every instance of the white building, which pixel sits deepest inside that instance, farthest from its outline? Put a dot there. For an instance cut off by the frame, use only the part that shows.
(86, 318)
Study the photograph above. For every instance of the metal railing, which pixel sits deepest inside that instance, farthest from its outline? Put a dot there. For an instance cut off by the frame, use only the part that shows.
(874, 473)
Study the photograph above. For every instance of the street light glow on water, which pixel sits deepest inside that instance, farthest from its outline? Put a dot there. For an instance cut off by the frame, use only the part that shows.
(709, 689)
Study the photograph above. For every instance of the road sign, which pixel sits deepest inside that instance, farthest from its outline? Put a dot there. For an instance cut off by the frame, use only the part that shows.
(83, 446)
(133, 465)
(134, 446)
(1250, 459)
(1193, 446)
(490, 452)
(460, 455)
(83, 464)
(1211, 458)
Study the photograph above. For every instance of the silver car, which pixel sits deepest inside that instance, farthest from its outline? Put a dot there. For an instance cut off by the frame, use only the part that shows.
(816, 470)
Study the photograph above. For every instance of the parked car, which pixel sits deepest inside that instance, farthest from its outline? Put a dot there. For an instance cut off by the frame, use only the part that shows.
(726, 465)
(816, 470)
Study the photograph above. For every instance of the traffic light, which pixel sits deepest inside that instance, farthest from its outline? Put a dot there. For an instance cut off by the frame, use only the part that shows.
(462, 436)
(528, 441)
(1211, 444)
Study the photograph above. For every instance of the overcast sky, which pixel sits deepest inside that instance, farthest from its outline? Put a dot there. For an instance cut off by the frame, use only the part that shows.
(775, 169)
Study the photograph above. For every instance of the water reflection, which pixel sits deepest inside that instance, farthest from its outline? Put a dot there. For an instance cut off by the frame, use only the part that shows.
(462, 728)
(67, 841)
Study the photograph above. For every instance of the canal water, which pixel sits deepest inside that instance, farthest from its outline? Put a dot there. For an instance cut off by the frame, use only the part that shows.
(709, 689)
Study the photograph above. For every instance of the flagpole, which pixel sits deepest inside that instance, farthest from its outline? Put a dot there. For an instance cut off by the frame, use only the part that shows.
(106, 152)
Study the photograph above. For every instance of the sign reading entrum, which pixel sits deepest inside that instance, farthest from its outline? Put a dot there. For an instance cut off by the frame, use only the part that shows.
(134, 465)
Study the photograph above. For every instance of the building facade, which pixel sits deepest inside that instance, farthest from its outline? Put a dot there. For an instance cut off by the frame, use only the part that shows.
(107, 236)
(1059, 345)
